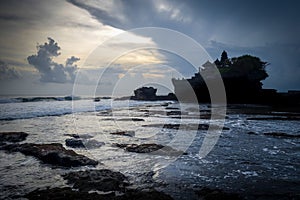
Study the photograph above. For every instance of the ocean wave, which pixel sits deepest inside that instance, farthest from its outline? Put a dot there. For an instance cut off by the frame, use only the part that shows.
(37, 99)
(33, 115)
(13, 111)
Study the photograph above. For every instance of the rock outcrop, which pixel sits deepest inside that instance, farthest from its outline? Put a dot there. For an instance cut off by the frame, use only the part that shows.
(53, 153)
(124, 133)
(187, 126)
(103, 180)
(281, 135)
(69, 193)
(216, 194)
(150, 148)
(149, 94)
(13, 136)
(74, 143)
(102, 184)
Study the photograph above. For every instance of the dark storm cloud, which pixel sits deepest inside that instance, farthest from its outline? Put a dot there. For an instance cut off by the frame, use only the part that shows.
(9, 17)
(275, 20)
(49, 70)
(128, 14)
(8, 73)
(267, 29)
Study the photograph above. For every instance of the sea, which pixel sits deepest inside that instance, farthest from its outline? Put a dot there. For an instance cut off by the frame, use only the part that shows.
(239, 159)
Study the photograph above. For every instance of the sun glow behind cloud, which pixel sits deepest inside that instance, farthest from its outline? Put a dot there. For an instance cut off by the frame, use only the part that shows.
(80, 26)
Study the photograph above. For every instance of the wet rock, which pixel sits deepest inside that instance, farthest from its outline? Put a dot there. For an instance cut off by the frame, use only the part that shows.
(166, 126)
(105, 113)
(77, 136)
(186, 126)
(143, 148)
(97, 99)
(281, 135)
(72, 135)
(131, 119)
(252, 133)
(145, 181)
(150, 148)
(171, 108)
(144, 110)
(173, 112)
(103, 180)
(13, 136)
(165, 104)
(145, 195)
(275, 118)
(65, 193)
(216, 194)
(124, 133)
(90, 144)
(53, 153)
(68, 193)
(74, 143)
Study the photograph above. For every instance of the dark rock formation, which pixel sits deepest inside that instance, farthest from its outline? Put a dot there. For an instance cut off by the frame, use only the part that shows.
(77, 136)
(97, 99)
(110, 185)
(72, 135)
(13, 136)
(289, 118)
(102, 180)
(186, 126)
(53, 153)
(149, 195)
(176, 112)
(65, 193)
(145, 93)
(149, 94)
(131, 119)
(74, 143)
(216, 194)
(252, 133)
(150, 148)
(171, 108)
(68, 194)
(281, 135)
(124, 133)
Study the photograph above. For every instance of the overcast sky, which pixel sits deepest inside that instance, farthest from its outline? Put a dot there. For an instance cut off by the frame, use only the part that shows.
(46, 44)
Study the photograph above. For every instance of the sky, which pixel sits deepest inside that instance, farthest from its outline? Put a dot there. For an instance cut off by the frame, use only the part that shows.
(101, 47)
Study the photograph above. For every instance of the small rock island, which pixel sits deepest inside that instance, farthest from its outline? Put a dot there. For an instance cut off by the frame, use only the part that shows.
(149, 94)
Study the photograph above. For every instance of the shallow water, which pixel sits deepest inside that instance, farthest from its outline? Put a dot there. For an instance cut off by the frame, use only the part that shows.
(239, 162)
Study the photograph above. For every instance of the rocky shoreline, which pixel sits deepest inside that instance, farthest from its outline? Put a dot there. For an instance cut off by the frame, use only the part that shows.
(92, 183)
(88, 184)
(84, 179)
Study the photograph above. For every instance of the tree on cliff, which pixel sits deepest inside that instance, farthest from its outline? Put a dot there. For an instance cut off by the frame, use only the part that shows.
(247, 66)
(250, 66)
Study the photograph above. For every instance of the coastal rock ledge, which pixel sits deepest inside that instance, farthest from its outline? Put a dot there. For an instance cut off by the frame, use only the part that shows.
(13, 136)
(97, 184)
(53, 153)
(156, 149)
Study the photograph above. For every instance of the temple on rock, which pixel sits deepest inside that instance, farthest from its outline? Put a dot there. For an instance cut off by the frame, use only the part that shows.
(242, 78)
